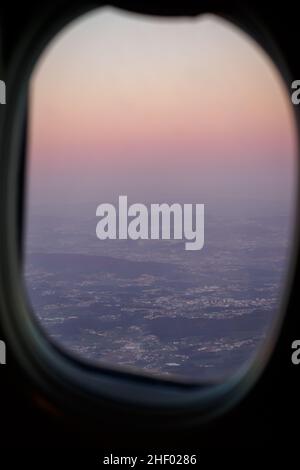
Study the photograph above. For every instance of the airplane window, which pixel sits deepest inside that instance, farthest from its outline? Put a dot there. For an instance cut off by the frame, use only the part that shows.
(160, 194)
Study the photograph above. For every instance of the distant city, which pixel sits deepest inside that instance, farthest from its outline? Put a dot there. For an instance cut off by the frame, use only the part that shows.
(168, 110)
(151, 306)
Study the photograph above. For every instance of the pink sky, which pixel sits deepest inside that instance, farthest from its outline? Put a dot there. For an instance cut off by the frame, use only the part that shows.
(179, 108)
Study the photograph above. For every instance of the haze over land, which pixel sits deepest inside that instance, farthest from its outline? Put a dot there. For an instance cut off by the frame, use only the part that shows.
(174, 111)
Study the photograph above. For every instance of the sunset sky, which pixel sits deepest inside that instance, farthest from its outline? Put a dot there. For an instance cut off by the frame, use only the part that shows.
(188, 110)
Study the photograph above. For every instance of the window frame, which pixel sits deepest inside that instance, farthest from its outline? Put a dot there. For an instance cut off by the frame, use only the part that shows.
(56, 373)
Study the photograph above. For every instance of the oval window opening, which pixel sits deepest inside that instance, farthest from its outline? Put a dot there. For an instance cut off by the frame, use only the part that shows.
(160, 194)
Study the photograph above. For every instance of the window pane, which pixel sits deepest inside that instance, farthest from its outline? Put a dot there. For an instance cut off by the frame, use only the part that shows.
(173, 111)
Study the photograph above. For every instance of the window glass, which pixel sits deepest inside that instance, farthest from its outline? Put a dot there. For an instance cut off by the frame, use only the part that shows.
(160, 187)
